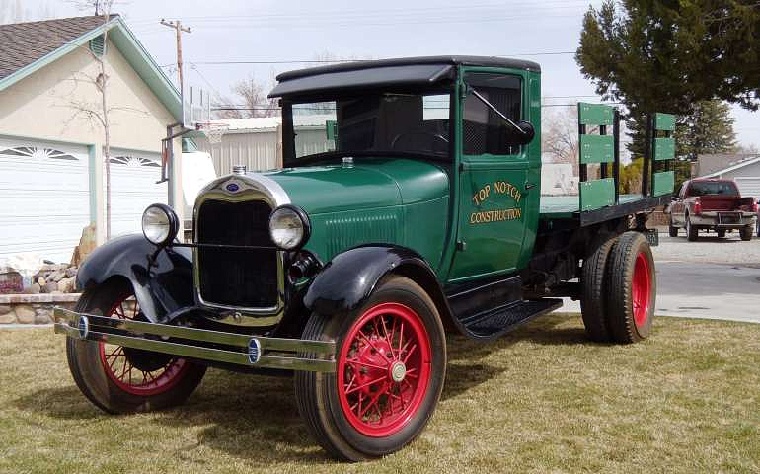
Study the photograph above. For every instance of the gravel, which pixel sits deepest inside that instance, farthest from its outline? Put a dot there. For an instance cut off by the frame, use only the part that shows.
(709, 249)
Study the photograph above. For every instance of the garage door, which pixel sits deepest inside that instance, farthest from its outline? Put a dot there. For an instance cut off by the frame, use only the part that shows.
(44, 189)
(133, 188)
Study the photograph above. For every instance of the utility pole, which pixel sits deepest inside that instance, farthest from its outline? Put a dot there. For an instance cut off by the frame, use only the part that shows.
(177, 26)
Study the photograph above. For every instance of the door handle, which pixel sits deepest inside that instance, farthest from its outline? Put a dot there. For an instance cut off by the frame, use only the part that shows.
(529, 186)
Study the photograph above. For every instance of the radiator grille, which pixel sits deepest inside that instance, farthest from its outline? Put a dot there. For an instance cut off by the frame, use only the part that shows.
(236, 277)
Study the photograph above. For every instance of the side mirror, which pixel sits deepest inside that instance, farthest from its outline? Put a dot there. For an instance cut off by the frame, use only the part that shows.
(521, 133)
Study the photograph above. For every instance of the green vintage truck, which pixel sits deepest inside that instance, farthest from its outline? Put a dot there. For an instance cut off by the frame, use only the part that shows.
(419, 214)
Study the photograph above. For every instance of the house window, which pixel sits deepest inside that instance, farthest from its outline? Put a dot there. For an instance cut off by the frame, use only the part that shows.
(134, 161)
(38, 153)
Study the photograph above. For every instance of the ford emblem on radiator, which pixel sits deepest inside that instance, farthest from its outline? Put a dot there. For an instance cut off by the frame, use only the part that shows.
(232, 187)
(254, 350)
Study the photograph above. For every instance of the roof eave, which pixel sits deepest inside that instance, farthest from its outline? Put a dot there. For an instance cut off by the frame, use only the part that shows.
(131, 49)
(735, 167)
(145, 67)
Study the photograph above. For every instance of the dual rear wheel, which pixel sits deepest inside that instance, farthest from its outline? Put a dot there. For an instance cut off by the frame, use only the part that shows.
(618, 290)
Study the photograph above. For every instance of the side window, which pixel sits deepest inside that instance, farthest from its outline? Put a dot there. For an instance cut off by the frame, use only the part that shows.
(484, 132)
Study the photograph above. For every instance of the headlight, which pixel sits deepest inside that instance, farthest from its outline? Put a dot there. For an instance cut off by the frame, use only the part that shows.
(160, 224)
(289, 227)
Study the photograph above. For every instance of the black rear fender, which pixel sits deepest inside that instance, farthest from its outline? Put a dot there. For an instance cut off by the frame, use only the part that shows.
(161, 286)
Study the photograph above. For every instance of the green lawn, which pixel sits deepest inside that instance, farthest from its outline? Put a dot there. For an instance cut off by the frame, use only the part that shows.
(540, 400)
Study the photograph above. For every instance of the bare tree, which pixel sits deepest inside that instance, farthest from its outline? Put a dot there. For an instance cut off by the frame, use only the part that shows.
(250, 101)
(100, 113)
(750, 149)
(560, 136)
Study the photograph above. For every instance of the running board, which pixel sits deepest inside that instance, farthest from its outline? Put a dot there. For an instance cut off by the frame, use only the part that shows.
(500, 320)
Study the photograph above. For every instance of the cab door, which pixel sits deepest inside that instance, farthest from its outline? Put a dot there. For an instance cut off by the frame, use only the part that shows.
(678, 207)
(499, 180)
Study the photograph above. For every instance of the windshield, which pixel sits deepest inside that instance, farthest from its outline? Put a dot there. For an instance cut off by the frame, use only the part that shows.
(388, 122)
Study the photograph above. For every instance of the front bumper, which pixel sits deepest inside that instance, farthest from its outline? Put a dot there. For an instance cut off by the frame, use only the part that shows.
(200, 344)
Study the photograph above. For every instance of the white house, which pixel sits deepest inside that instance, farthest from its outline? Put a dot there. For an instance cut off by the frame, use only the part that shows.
(52, 181)
(745, 173)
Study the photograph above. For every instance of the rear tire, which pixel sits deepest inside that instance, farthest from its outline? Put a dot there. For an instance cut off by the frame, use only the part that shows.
(672, 230)
(691, 232)
(121, 380)
(390, 367)
(631, 285)
(746, 232)
(593, 293)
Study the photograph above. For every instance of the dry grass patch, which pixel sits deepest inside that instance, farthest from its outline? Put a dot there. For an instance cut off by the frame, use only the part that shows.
(540, 400)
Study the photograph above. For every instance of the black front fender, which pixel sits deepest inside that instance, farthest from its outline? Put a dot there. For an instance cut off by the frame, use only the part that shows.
(349, 279)
(161, 286)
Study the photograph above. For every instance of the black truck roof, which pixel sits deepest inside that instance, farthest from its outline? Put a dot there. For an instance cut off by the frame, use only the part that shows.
(377, 73)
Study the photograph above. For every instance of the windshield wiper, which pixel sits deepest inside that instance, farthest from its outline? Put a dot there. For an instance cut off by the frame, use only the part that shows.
(496, 111)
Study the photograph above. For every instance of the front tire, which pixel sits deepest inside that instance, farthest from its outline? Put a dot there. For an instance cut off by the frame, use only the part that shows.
(672, 230)
(122, 380)
(390, 368)
(631, 285)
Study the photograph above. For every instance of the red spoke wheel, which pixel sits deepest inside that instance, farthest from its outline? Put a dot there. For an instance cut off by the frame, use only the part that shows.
(383, 369)
(125, 380)
(631, 288)
(132, 370)
(391, 361)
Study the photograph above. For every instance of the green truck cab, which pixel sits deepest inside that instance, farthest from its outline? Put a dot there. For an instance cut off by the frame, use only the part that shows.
(409, 207)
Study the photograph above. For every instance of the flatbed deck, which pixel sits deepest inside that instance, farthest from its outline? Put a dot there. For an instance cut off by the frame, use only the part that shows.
(568, 208)
(563, 207)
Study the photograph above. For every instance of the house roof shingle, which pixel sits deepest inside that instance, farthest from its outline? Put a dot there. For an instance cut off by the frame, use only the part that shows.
(25, 43)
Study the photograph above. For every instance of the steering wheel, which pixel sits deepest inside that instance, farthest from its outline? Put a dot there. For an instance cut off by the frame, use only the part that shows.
(420, 141)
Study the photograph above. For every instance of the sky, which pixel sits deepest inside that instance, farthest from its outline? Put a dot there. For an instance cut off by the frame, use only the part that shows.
(231, 40)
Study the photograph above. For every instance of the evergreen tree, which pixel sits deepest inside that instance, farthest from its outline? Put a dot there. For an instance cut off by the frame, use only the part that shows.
(670, 56)
(708, 129)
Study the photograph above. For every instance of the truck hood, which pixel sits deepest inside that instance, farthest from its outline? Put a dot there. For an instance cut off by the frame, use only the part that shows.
(365, 184)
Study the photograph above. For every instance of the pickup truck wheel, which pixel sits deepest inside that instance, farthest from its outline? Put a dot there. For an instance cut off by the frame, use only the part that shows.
(390, 367)
(746, 232)
(672, 230)
(691, 231)
(631, 285)
(124, 380)
(593, 293)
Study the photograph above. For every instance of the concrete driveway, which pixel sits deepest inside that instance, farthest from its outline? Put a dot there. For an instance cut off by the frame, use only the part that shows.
(711, 278)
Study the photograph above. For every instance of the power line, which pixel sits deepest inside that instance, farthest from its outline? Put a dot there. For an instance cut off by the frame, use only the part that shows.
(416, 14)
(333, 61)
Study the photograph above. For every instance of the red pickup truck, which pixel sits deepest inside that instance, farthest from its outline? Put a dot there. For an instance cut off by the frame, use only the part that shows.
(712, 205)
